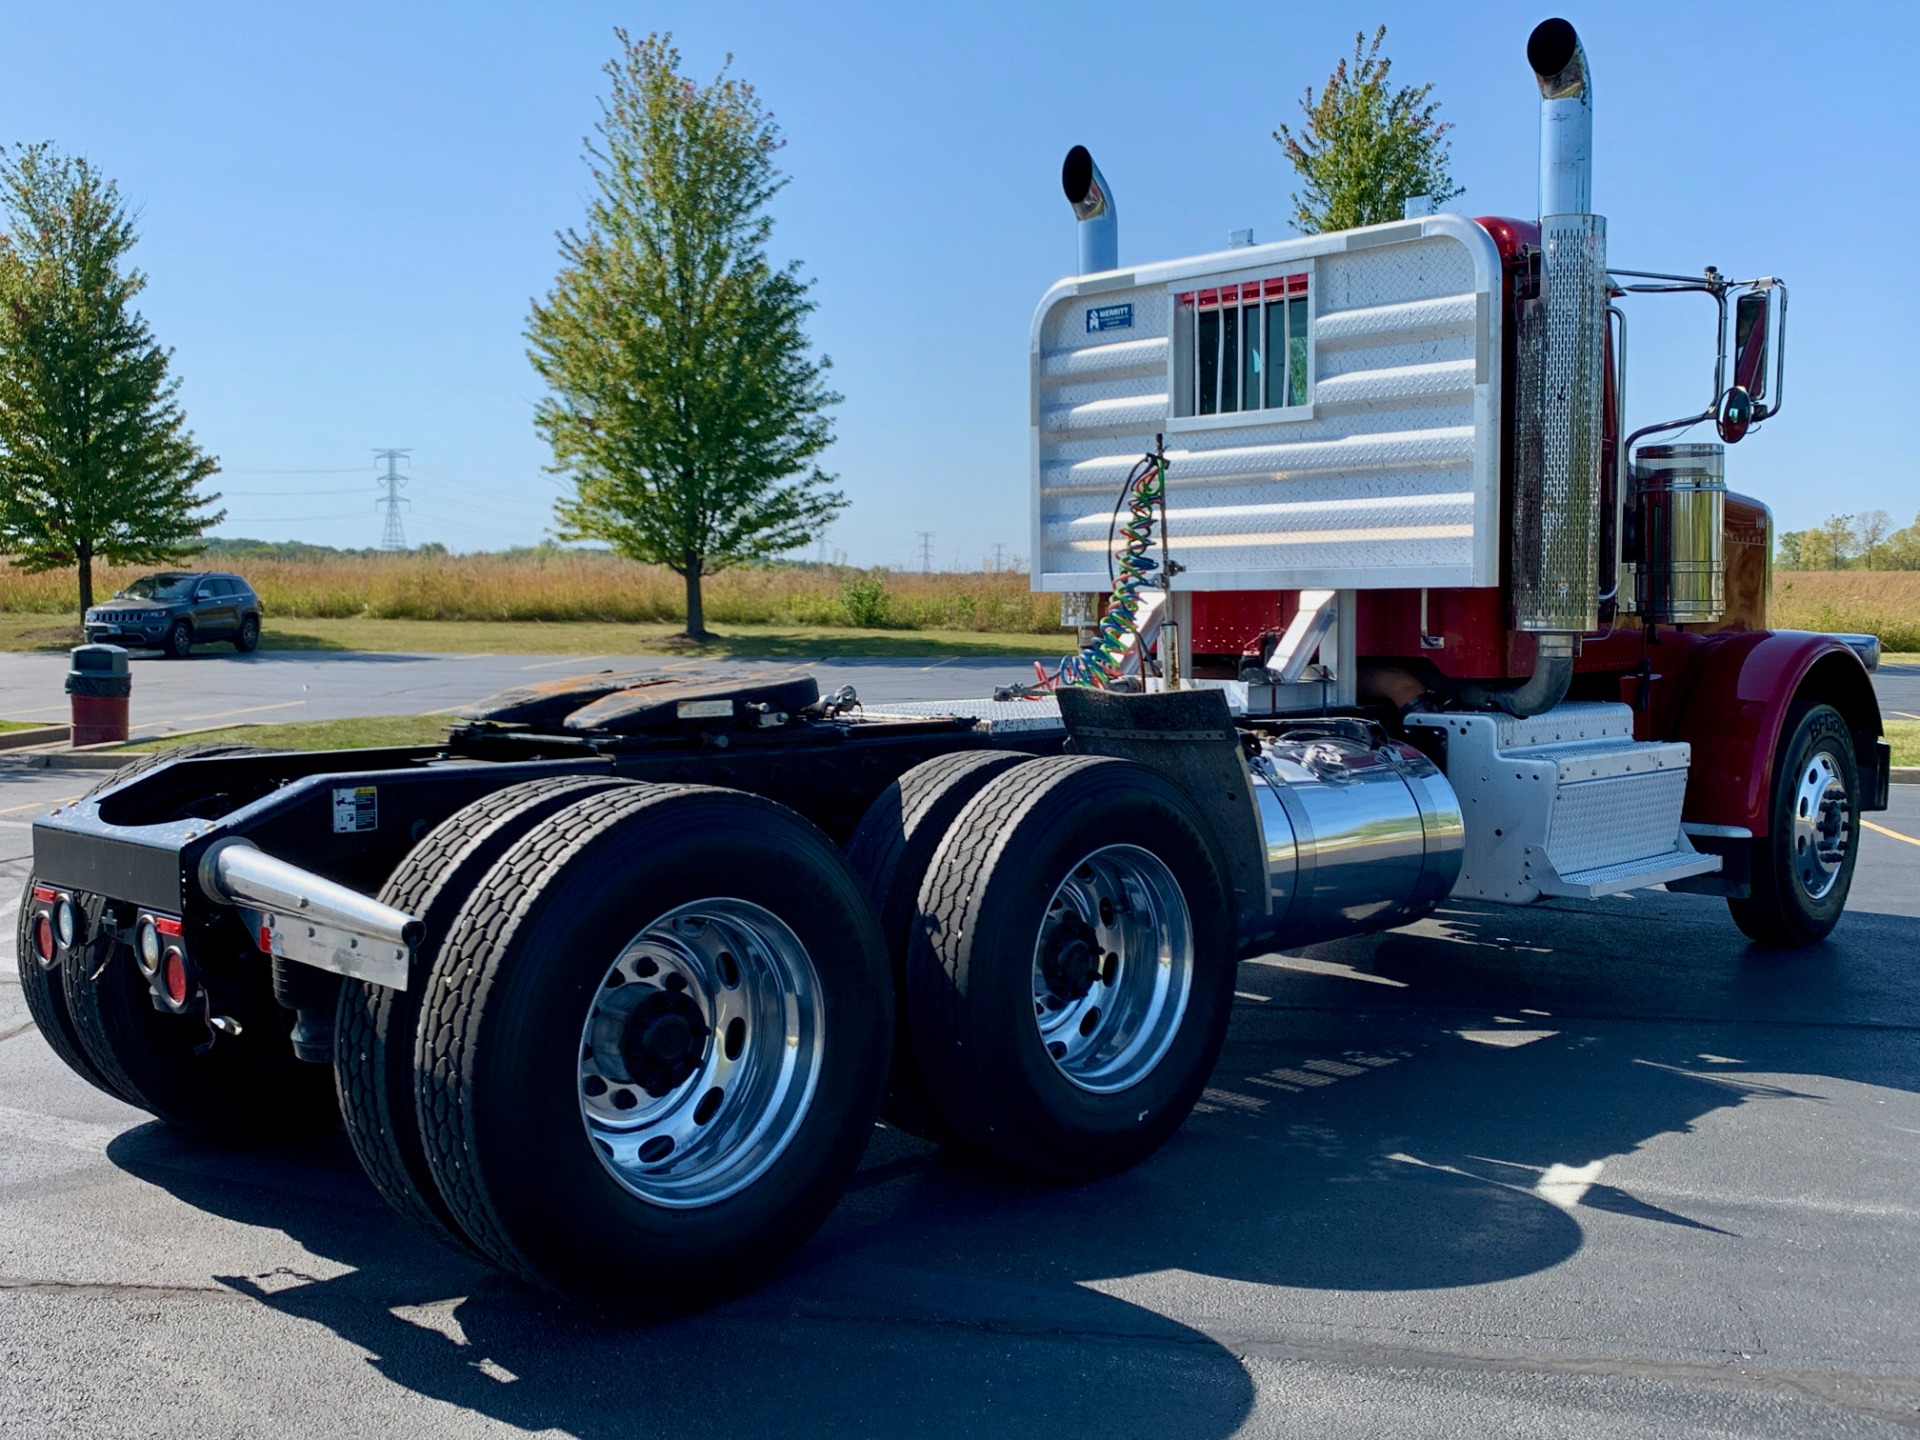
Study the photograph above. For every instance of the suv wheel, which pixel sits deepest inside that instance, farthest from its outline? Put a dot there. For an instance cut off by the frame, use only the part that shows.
(248, 638)
(179, 641)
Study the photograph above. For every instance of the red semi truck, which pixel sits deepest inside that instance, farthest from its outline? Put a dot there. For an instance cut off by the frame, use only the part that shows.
(1382, 605)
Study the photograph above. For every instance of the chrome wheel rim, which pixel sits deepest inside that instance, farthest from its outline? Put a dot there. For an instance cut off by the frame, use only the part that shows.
(1112, 968)
(701, 1052)
(1822, 825)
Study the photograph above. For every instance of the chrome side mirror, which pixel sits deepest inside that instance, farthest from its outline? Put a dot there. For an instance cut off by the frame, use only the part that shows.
(1735, 417)
(1751, 325)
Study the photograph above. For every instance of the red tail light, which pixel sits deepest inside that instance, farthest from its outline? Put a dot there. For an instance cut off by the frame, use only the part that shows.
(43, 938)
(173, 975)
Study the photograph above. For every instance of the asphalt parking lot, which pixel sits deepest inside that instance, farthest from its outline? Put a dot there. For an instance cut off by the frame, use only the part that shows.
(1592, 1168)
(214, 689)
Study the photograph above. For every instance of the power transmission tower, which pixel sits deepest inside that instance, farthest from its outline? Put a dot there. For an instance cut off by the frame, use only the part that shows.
(926, 551)
(999, 556)
(394, 536)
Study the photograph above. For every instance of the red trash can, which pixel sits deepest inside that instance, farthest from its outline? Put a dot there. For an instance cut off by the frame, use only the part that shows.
(99, 684)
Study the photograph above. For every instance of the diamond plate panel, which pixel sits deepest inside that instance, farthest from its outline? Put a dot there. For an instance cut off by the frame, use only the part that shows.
(1610, 822)
(1402, 383)
(1388, 478)
(1106, 360)
(1448, 315)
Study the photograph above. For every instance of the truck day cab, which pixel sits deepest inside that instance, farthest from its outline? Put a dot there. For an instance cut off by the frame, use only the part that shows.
(609, 988)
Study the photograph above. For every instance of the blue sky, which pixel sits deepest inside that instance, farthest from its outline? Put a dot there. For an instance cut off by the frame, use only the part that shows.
(346, 209)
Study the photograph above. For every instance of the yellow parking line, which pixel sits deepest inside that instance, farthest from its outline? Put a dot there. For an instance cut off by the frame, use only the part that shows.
(1904, 714)
(181, 721)
(1890, 834)
(38, 805)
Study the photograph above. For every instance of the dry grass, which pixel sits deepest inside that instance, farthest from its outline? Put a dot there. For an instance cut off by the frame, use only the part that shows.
(1864, 602)
(573, 586)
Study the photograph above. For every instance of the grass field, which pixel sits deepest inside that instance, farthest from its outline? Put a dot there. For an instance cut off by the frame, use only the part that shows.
(1865, 602)
(574, 586)
(6, 725)
(599, 604)
(362, 734)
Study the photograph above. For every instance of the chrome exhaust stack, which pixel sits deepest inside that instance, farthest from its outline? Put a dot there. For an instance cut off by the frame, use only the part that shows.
(1093, 207)
(1560, 384)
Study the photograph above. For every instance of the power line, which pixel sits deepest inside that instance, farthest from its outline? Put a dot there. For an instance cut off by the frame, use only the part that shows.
(394, 536)
(249, 470)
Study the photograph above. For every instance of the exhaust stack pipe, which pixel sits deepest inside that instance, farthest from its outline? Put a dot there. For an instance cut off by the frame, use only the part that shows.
(1566, 118)
(1093, 207)
(1559, 383)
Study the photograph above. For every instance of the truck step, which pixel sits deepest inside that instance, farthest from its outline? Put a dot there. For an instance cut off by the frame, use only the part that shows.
(1565, 803)
(1677, 864)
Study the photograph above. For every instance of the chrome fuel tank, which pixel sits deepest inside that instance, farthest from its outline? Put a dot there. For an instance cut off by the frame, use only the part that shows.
(1359, 837)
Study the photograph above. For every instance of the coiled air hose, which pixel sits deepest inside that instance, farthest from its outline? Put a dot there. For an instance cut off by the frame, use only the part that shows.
(1103, 660)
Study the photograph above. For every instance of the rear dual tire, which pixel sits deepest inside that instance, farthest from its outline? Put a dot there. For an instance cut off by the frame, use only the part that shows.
(244, 1089)
(376, 1028)
(96, 1012)
(46, 999)
(890, 851)
(519, 1095)
(1070, 972)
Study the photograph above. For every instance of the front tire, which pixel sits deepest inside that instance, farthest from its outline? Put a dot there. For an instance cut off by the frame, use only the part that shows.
(1803, 868)
(179, 641)
(1071, 975)
(653, 1046)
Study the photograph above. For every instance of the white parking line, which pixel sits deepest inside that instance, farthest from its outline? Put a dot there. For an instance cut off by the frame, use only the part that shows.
(581, 660)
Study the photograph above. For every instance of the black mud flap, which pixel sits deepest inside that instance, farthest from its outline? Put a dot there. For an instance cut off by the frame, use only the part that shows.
(1188, 736)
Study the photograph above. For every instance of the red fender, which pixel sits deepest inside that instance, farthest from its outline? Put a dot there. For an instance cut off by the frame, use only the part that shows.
(1740, 689)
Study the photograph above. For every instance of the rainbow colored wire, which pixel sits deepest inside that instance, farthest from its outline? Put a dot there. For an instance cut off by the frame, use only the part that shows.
(1103, 659)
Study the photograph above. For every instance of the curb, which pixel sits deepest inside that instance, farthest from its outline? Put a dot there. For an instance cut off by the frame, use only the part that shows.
(1904, 774)
(38, 735)
(64, 760)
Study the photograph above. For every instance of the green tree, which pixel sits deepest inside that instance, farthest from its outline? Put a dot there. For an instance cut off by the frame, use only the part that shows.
(1366, 149)
(96, 461)
(1789, 544)
(686, 405)
(1902, 550)
(1870, 529)
(1829, 546)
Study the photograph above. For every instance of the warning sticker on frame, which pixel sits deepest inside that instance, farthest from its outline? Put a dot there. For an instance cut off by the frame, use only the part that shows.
(355, 808)
(1110, 317)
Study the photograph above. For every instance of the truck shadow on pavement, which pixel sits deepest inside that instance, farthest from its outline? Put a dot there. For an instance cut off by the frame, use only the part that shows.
(1429, 1109)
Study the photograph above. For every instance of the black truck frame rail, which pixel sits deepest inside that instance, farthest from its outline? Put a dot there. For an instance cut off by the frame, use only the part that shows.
(352, 816)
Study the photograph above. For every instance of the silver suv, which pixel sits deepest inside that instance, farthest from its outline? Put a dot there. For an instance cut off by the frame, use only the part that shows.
(174, 610)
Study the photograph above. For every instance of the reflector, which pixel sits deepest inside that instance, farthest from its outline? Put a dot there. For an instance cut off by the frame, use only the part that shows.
(174, 975)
